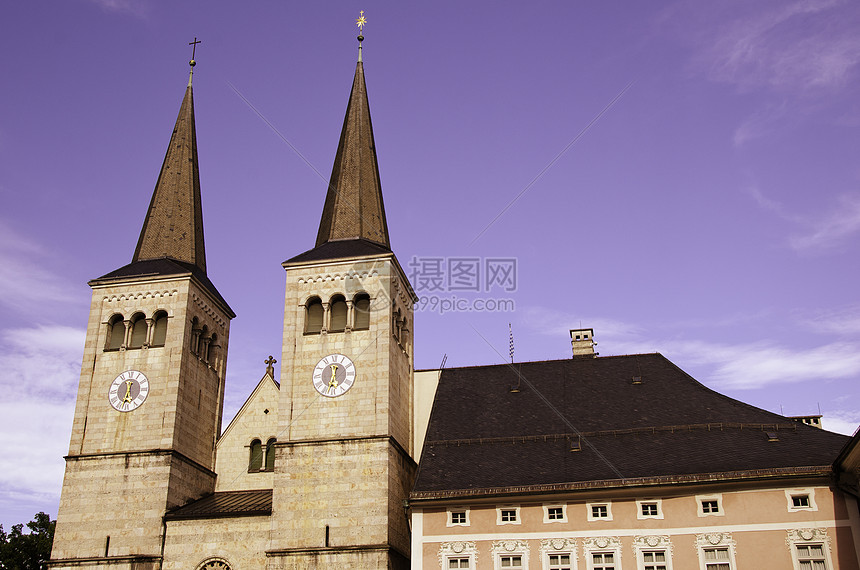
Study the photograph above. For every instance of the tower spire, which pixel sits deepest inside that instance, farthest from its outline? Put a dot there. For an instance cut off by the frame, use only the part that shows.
(173, 226)
(353, 205)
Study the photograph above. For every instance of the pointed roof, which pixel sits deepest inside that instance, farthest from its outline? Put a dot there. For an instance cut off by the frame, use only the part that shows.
(173, 226)
(353, 206)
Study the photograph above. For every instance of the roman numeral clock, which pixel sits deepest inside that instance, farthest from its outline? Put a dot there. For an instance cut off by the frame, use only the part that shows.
(334, 375)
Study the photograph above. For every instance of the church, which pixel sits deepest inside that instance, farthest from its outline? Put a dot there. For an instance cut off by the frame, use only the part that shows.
(351, 458)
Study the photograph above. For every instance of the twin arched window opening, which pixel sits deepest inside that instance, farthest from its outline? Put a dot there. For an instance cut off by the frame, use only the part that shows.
(203, 342)
(137, 332)
(338, 315)
(262, 459)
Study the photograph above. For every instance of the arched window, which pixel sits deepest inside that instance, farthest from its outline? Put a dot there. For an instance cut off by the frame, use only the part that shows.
(212, 348)
(138, 331)
(203, 343)
(195, 335)
(159, 332)
(116, 333)
(214, 564)
(396, 322)
(313, 316)
(361, 311)
(256, 460)
(270, 454)
(338, 314)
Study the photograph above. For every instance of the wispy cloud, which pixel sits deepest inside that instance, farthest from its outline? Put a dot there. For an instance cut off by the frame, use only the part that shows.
(24, 282)
(803, 45)
(134, 7)
(842, 321)
(817, 232)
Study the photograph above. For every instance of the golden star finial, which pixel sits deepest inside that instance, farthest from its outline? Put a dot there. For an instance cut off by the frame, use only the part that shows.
(361, 22)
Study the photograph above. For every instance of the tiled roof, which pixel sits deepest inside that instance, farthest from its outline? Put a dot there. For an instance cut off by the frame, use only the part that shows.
(340, 249)
(164, 266)
(226, 504)
(483, 436)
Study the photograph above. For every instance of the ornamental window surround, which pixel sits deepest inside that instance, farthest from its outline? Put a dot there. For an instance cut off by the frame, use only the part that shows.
(602, 553)
(653, 552)
(558, 554)
(810, 549)
(716, 551)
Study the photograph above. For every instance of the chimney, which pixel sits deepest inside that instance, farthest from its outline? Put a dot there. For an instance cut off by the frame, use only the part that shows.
(582, 342)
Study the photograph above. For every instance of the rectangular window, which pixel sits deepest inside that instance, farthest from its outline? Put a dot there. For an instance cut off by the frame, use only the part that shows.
(800, 501)
(603, 561)
(555, 513)
(513, 562)
(458, 563)
(509, 515)
(717, 559)
(710, 506)
(458, 517)
(559, 562)
(599, 511)
(811, 557)
(654, 560)
(649, 509)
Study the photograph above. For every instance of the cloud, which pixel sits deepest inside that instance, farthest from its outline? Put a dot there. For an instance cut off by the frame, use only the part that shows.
(841, 421)
(133, 7)
(803, 45)
(24, 283)
(751, 366)
(818, 232)
(842, 321)
(40, 369)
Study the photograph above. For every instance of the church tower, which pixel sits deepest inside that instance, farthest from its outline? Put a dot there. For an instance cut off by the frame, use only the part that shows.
(152, 382)
(344, 454)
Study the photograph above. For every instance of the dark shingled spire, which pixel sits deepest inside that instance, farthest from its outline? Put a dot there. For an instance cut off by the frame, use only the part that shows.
(353, 206)
(173, 226)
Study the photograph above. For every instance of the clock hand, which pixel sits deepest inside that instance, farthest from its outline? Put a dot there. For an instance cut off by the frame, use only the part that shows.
(127, 397)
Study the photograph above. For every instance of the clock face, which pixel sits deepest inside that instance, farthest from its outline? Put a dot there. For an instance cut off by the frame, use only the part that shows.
(128, 391)
(334, 375)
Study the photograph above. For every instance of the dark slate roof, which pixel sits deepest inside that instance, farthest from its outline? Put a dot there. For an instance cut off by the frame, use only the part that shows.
(353, 204)
(340, 249)
(226, 504)
(164, 266)
(173, 226)
(483, 437)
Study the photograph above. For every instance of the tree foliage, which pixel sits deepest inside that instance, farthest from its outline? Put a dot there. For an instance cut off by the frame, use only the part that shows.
(19, 551)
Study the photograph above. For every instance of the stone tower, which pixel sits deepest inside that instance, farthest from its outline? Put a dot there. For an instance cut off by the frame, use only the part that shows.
(344, 454)
(152, 382)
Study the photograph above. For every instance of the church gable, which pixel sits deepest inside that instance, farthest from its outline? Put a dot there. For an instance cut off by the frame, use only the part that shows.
(245, 451)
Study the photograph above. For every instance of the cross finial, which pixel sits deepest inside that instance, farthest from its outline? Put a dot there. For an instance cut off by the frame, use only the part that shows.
(270, 370)
(192, 63)
(193, 50)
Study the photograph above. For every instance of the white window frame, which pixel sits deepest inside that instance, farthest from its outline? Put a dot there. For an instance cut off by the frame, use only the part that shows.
(652, 543)
(809, 537)
(509, 548)
(601, 545)
(515, 508)
(449, 521)
(700, 507)
(641, 516)
(590, 513)
(558, 546)
(715, 540)
(809, 492)
(548, 506)
(458, 549)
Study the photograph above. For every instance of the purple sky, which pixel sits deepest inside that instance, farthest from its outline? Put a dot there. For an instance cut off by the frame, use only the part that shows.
(707, 205)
